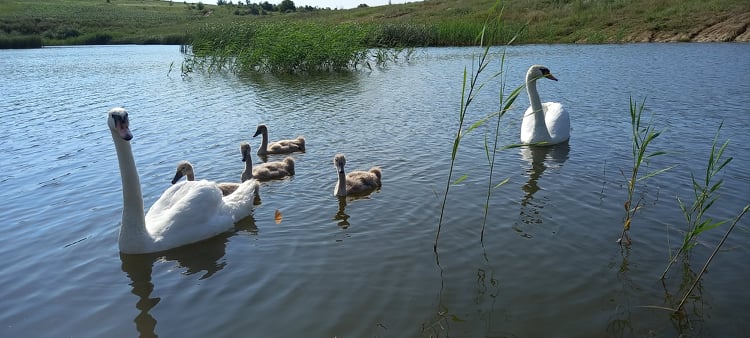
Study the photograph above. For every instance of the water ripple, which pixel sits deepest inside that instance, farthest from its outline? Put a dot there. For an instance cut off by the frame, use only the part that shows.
(365, 267)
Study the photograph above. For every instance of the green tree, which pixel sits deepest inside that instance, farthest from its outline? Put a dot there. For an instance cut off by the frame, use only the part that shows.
(267, 6)
(287, 6)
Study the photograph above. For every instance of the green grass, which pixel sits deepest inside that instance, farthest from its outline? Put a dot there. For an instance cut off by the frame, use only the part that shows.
(73, 22)
(430, 22)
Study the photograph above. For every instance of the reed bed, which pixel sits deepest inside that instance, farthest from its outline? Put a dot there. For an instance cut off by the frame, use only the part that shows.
(296, 47)
(18, 42)
(278, 47)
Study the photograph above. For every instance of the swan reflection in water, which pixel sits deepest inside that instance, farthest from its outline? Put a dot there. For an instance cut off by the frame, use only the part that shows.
(540, 158)
(202, 257)
(341, 216)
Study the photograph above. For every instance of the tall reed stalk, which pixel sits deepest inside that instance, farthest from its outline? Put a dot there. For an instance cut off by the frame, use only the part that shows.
(710, 258)
(470, 88)
(705, 194)
(643, 135)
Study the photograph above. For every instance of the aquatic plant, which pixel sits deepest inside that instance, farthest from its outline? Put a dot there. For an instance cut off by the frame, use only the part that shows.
(710, 258)
(299, 47)
(469, 89)
(278, 47)
(705, 194)
(19, 42)
(642, 135)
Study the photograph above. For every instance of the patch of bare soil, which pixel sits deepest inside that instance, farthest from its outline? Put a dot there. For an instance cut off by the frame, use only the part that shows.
(734, 28)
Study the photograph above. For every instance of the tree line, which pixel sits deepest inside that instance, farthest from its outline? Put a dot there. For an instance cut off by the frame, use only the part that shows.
(263, 8)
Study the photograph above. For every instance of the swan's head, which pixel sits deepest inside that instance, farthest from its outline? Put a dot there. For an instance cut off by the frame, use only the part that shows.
(245, 150)
(538, 71)
(117, 119)
(184, 168)
(262, 129)
(339, 161)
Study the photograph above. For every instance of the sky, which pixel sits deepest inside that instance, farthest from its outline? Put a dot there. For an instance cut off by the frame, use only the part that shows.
(333, 4)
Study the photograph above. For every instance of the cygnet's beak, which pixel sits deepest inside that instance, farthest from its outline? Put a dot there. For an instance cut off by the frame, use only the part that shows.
(177, 177)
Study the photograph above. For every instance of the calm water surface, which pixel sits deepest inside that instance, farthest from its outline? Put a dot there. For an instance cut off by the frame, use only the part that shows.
(548, 266)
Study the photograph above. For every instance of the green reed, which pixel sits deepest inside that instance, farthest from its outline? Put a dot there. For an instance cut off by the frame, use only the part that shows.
(705, 194)
(643, 135)
(20, 41)
(279, 47)
(298, 47)
(711, 257)
(471, 86)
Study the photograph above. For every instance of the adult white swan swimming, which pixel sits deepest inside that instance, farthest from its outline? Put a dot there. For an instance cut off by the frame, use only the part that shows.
(546, 123)
(187, 212)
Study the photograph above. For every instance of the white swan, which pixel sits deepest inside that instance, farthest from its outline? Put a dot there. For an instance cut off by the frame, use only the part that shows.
(185, 213)
(356, 182)
(185, 168)
(547, 122)
(278, 147)
(264, 171)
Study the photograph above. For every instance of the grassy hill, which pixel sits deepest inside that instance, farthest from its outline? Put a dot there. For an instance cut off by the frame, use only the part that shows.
(26, 23)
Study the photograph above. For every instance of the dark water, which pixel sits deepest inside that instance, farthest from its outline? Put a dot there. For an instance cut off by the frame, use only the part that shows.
(548, 266)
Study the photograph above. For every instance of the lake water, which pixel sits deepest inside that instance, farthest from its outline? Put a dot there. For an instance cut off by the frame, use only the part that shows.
(549, 264)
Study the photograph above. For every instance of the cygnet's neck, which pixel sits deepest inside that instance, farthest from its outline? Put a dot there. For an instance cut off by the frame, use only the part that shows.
(264, 140)
(248, 172)
(341, 186)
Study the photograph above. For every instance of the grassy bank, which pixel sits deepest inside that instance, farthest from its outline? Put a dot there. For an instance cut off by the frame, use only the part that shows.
(68, 22)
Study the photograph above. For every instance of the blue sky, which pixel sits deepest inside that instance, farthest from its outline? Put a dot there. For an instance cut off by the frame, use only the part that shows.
(335, 4)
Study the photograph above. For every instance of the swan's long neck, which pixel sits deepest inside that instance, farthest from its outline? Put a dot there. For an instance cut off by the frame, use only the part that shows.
(341, 186)
(133, 228)
(540, 127)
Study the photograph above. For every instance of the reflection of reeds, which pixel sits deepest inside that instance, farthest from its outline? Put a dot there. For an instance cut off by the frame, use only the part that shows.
(642, 138)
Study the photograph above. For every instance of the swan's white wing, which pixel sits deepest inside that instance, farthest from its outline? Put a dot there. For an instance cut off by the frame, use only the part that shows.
(188, 212)
(239, 204)
(558, 122)
(527, 127)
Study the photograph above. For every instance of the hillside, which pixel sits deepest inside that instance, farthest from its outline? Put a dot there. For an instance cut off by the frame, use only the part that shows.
(66, 22)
